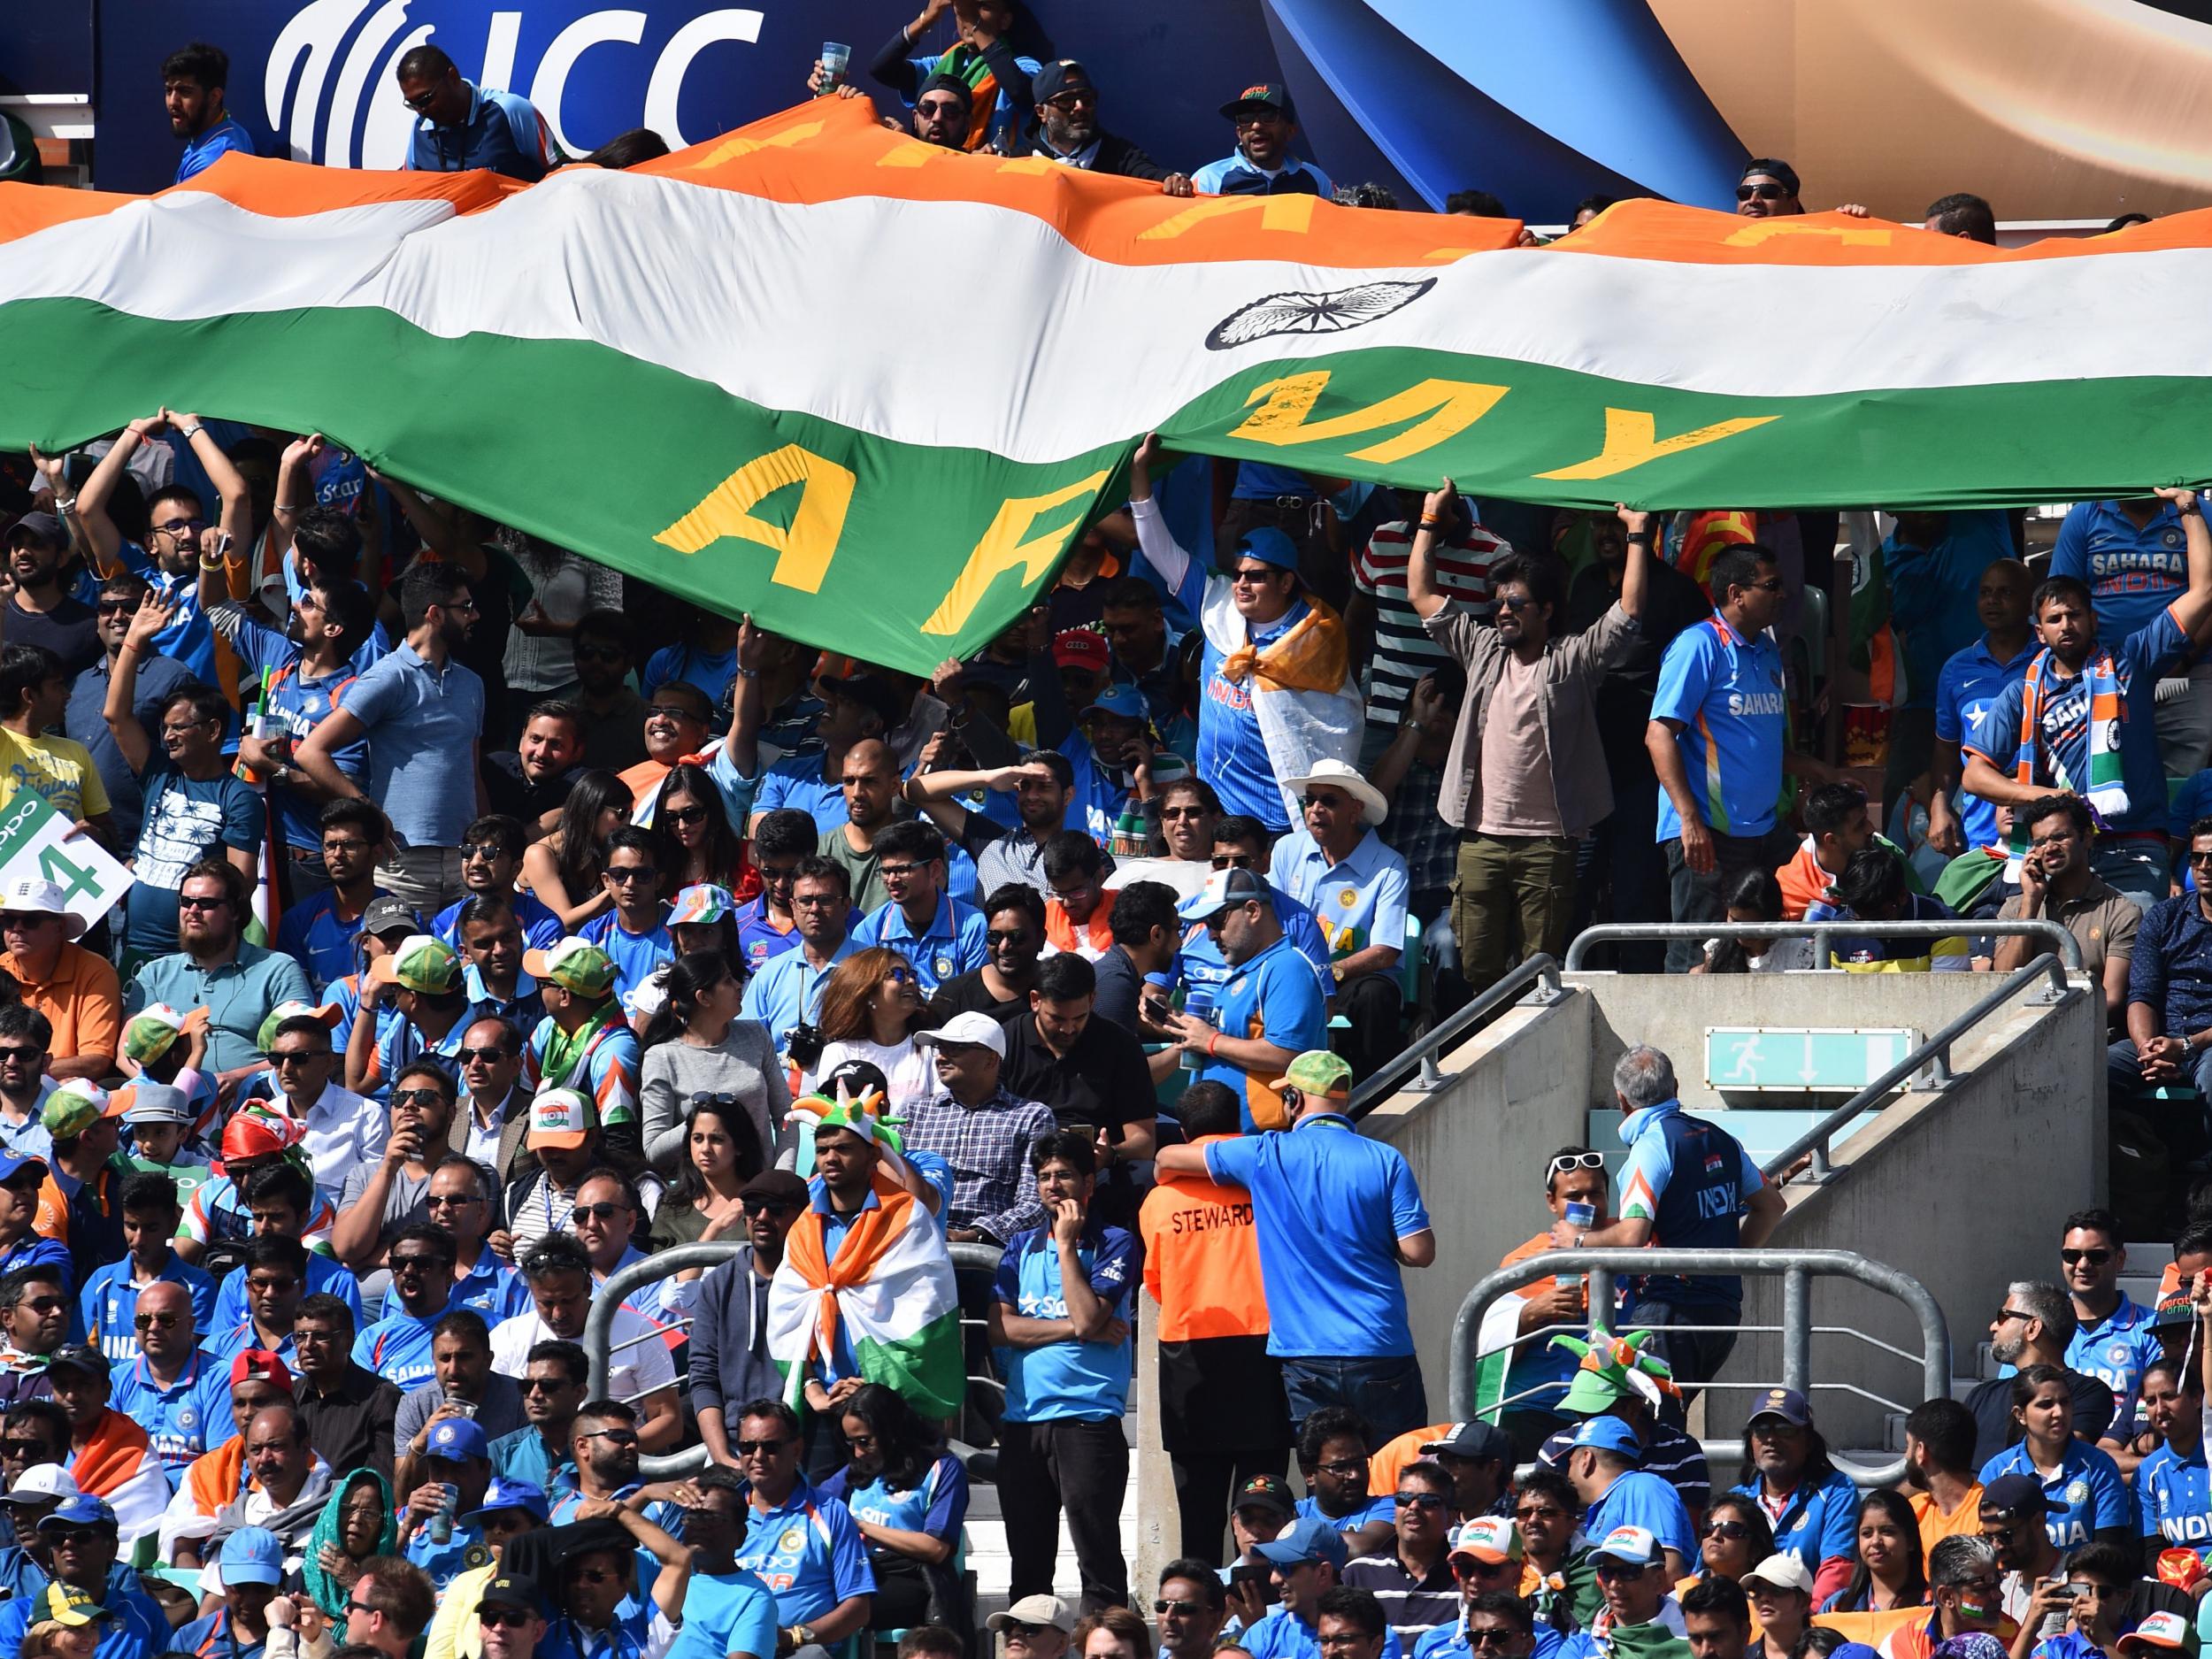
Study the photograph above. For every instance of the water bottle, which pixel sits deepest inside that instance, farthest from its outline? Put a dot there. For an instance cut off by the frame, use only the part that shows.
(1581, 1217)
(441, 1523)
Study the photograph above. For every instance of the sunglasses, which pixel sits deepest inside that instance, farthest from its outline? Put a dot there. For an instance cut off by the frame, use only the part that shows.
(1540, 1512)
(186, 901)
(600, 1212)
(768, 1207)
(45, 1304)
(1184, 812)
(546, 1385)
(1183, 1609)
(179, 527)
(470, 1057)
(1491, 1638)
(1732, 1531)
(117, 607)
(157, 1321)
(2095, 1258)
(1233, 861)
(505, 1618)
(481, 849)
(634, 872)
(777, 873)
(1468, 1567)
(416, 1096)
(621, 1437)
(670, 711)
(1769, 192)
(762, 1449)
(401, 1264)
(21, 1053)
(688, 815)
(1421, 1500)
(1251, 575)
(2006, 1315)
(299, 1056)
(600, 653)
(1012, 936)
(440, 1200)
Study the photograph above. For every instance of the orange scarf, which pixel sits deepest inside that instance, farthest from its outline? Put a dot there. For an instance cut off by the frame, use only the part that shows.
(1315, 654)
(114, 1451)
(865, 1241)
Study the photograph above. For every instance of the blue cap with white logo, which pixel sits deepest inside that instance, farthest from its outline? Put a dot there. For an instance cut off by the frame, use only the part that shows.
(456, 1438)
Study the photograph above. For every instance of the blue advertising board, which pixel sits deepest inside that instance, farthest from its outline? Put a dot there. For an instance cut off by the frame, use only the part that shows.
(1426, 96)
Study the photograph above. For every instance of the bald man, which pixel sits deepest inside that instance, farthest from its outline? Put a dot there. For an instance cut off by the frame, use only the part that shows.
(178, 1395)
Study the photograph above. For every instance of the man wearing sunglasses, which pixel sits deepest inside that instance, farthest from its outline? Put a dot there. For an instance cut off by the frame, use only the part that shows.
(83, 1537)
(1486, 1566)
(2113, 1340)
(179, 1394)
(1191, 1609)
(555, 1381)
(275, 1271)
(383, 1197)
(491, 859)
(1067, 129)
(805, 1547)
(2034, 1325)
(729, 1352)
(398, 1346)
(1535, 1374)
(460, 126)
(1265, 121)
(1415, 1580)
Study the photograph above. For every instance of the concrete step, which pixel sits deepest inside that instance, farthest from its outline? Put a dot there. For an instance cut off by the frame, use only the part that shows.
(986, 1549)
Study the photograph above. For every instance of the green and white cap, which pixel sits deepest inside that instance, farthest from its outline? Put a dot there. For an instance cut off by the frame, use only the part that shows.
(574, 964)
(421, 963)
(328, 1014)
(148, 1034)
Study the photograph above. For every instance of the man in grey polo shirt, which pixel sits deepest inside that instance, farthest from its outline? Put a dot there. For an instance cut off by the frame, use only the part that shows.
(423, 715)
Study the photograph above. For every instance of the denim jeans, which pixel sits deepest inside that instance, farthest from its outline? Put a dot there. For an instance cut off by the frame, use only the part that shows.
(1385, 1391)
(2180, 1123)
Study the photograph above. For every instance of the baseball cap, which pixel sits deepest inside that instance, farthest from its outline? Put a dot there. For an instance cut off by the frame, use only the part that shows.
(148, 1034)
(574, 964)
(40, 1482)
(972, 1029)
(1272, 94)
(1034, 1609)
(1786, 1403)
(1120, 699)
(252, 1554)
(1635, 1545)
(456, 1438)
(1269, 547)
(258, 1364)
(868, 691)
(82, 1356)
(947, 83)
(84, 1509)
(38, 527)
(66, 1604)
(1782, 1570)
(147, 1101)
(388, 915)
(701, 904)
(1487, 1538)
(421, 962)
(862, 1080)
(560, 1118)
(74, 1106)
(1609, 1434)
(2013, 1496)
(1223, 888)
(1329, 1076)
(34, 897)
(503, 1494)
(1310, 1539)
(11, 1162)
(1273, 1491)
(1056, 77)
(2159, 1630)
(774, 1187)
(512, 1590)
(1484, 1442)
(327, 1014)
(1081, 648)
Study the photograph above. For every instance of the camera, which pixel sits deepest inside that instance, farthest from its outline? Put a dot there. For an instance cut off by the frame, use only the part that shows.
(805, 1043)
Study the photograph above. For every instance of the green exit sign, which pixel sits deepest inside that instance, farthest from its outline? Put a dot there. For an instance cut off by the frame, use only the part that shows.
(1834, 1060)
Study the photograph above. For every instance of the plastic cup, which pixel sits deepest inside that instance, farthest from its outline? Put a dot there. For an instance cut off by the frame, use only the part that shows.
(836, 57)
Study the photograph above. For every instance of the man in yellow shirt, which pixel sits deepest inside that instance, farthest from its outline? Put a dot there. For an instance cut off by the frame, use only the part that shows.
(34, 695)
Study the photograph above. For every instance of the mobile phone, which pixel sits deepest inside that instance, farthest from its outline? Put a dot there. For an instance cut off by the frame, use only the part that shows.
(1250, 1572)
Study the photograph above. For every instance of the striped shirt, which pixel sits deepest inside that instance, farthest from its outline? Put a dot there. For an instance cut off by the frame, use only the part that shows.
(1404, 649)
(1412, 1607)
(1672, 1455)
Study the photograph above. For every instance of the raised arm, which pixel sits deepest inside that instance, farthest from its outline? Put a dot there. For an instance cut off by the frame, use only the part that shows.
(234, 515)
(2194, 610)
(101, 533)
(130, 738)
(1636, 573)
(743, 745)
(1161, 549)
(1421, 592)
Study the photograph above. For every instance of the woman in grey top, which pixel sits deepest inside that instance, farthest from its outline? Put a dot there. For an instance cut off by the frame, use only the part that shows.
(696, 1045)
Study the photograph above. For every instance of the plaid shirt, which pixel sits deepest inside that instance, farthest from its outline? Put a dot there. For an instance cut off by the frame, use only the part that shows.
(1417, 831)
(993, 1189)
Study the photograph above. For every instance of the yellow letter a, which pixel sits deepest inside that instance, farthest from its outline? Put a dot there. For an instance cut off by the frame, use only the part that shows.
(1001, 549)
(804, 550)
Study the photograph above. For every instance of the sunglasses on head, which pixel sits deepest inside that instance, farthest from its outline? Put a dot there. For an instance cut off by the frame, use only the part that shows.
(1568, 1161)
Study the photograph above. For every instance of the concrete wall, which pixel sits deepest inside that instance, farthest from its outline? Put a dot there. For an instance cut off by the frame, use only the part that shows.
(2030, 1115)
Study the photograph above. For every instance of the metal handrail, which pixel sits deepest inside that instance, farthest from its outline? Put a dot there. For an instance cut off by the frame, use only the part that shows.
(1797, 1269)
(1935, 1053)
(610, 1296)
(1605, 932)
(1423, 1048)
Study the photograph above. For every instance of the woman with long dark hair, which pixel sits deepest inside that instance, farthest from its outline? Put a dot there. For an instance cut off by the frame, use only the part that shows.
(1887, 1572)
(1754, 895)
(1734, 1539)
(562, 870)
(2087, 1500)
(720, 1154)
(697, 1045)
(869, 1005)
(699, 845)
(908, 1496)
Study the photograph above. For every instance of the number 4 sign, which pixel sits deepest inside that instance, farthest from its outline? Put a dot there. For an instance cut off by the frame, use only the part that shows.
(35, 846)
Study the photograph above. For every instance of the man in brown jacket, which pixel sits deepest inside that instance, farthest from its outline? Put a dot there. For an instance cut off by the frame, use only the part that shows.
(1527, 776)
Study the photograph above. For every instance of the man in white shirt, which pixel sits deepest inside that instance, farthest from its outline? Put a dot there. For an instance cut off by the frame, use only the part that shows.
(558, 1272)
(343, 1129)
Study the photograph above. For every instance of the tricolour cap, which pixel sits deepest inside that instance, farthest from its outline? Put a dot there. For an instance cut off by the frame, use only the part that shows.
(1631, 1545)
(74, 1106)
(701, 904)
(148, 1034)
(576, 965)
(560, 1118)
(2159, 1630)
(1490, 1538)
(326, 1015)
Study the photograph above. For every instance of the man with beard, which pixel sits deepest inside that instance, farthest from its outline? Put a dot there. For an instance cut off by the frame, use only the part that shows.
(422, 711)
(729, 1356)
(1067, 129)
(43, 609)
(192, 93)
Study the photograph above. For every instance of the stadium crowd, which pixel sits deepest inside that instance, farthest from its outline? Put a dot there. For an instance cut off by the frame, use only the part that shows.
(498, 922)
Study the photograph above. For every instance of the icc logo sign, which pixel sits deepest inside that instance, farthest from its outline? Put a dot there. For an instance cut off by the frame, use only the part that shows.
(329, 91)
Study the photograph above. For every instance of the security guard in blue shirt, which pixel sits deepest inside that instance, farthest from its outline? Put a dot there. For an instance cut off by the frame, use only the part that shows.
(463, 126)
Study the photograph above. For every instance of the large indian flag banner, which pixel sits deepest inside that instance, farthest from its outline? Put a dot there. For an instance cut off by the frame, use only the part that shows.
(869, 390)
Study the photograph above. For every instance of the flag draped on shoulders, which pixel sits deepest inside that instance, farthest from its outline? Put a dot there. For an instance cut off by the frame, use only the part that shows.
(118, 1462)
(1308, 705)
(890, 1288)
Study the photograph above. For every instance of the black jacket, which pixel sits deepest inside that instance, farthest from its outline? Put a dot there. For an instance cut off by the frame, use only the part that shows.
(1116, 154)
